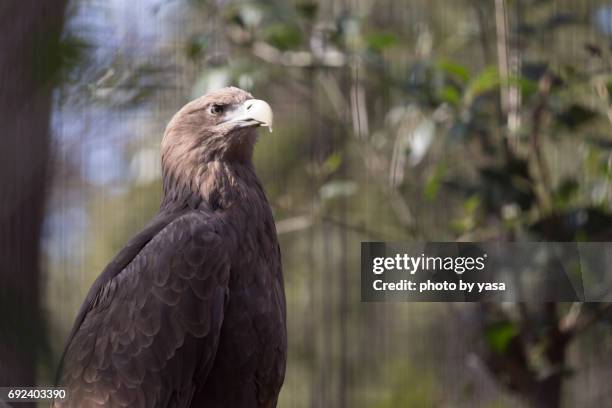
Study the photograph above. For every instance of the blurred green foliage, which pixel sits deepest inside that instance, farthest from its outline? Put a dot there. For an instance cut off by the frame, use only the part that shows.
(500, 334)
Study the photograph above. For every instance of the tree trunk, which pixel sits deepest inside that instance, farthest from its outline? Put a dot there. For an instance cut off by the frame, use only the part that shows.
(30, 59)
(548, 391)
(547, 394)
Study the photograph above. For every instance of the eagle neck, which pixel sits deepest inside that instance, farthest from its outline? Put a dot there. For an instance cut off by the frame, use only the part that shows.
(217, 185)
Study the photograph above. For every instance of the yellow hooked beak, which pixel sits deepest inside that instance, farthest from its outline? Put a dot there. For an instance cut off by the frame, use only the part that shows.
(253, 112)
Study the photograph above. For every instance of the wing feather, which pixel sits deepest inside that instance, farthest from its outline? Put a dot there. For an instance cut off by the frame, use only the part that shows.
(154, 326)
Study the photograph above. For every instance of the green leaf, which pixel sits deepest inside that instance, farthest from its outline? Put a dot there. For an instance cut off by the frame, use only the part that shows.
(307, 9)
(435, 182)
(283, 36)
(193, 50)
(468, 221)
(499, 335)
(451, 95)
(245, 15)
(575, 116)
(52, 59)
(333, 162)
(526, 85)
(457, 71)
(195, 47)
(471, 204)
(380, 41)
(487, 80)
(566, 191)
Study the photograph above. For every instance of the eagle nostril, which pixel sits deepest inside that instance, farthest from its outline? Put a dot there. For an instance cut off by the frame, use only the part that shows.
(249, 106)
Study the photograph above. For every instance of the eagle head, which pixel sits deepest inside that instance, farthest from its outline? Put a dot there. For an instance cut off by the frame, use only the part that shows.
(219, 126)
(212, 132)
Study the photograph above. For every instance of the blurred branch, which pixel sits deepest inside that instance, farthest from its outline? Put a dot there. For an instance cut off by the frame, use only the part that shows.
(302, 222)
(578, 319)
(508, 63)
(294, 224)
(501, 25)
(355, 228)
(334, 94)
(359, 112)
(273, 55)
(300, 59)
(603, 92)
(536, 142)
(501, 60)
(483, 36)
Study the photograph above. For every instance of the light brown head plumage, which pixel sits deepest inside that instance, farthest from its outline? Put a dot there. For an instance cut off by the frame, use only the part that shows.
(215, 130)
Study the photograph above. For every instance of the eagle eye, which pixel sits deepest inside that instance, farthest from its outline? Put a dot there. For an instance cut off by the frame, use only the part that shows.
(216, 109)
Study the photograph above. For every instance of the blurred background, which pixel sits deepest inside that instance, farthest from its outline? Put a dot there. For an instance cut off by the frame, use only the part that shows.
(395, 120)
